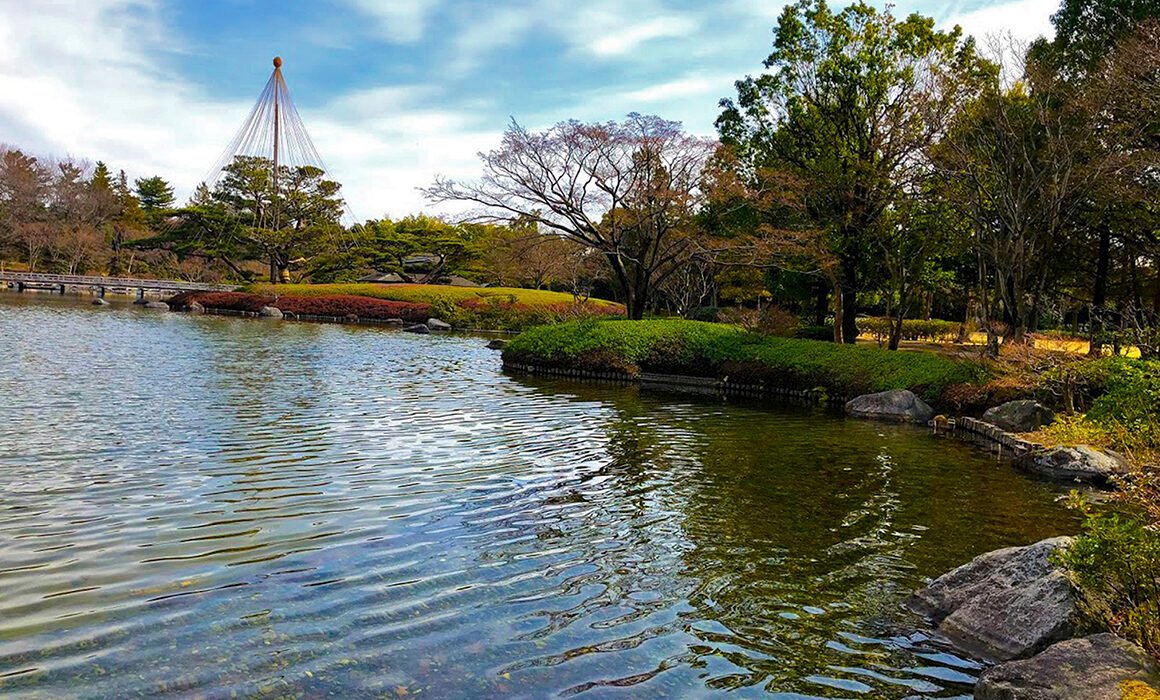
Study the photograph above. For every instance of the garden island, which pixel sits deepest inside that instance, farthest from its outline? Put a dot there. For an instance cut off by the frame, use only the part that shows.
(859, 396)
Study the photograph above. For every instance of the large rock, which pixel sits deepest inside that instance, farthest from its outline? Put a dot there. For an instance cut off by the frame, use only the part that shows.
(899, 405)
(438, 325)
(496, 344)
(196, 308)
(159, 305)
(417, 328)
(271, 312)
(1021, 416)
(100, 302)
(1005, 604)
(1099, 667)
(1079, 463)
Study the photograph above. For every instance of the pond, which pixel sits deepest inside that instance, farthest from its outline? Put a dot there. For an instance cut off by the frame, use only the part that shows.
(199, 506)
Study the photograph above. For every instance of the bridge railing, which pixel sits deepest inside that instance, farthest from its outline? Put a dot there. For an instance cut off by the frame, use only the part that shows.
(96, 281)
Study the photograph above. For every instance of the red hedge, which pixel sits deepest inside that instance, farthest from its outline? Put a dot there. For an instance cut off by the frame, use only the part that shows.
(340, 305)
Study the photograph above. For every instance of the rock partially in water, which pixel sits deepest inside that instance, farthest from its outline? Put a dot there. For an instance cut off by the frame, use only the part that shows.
(436, 324)
(1099, 667)
(1079, 463)
(160, 305)
(271, 312)
(417, 328)
(496, 344)
(100, 302)
(1020, 416)
(1005, 604)
(196, 308)
(395, 322)
(899, 406)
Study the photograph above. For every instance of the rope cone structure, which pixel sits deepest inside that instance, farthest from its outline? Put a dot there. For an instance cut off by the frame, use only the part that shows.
(273, 130)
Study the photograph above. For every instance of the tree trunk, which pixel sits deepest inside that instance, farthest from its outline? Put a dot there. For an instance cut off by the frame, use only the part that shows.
(1100, 291)
(895, 332)
(849, 318)
(838, 312)
(821, 304)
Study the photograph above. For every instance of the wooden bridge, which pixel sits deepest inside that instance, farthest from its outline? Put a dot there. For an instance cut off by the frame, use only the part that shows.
(99, 285)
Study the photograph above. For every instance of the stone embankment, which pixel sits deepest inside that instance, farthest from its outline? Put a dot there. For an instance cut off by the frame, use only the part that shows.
(1015, 607)
(997, 431)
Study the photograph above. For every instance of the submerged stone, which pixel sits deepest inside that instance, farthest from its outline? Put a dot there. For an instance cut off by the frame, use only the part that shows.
(417, 328)
(271, 312)
(1099, 667)
(160, 305)
(438, 325)
(899, 405)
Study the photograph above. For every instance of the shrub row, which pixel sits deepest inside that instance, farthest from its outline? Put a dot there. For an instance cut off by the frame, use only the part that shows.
(714, 350)
(932, 331)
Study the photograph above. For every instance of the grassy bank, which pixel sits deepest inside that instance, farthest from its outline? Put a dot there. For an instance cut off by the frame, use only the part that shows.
(716, 350)
(491, 308)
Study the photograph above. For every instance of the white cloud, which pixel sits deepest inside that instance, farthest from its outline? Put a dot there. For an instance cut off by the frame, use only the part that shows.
(1025, 20)
(619, 42)
(81, 78)
(398, 21)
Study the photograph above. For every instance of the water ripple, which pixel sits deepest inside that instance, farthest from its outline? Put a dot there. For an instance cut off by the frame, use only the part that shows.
(209, 507)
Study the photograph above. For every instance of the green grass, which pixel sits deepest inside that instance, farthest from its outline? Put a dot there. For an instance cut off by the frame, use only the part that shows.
(707, 349)
(427, 293)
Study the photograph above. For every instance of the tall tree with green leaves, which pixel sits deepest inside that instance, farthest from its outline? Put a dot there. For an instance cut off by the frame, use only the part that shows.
(154, 194)
(850, 104)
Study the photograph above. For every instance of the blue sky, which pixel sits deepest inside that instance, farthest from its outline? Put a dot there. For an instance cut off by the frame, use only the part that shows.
(392, 91)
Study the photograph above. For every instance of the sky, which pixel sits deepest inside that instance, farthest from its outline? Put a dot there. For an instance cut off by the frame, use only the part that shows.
(392, 92)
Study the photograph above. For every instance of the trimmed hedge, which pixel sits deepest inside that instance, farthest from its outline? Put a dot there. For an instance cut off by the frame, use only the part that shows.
(714, 350)
(932, 331)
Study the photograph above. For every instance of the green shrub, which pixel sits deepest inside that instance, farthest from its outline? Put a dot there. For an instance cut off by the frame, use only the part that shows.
(716, 350)
(704, 313)
(772, 320)
(815, 333)
(1115, 563)
(1122, 399)
(932, 331)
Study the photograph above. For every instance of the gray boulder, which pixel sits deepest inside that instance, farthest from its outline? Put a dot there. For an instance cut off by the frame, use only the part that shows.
(196, 308)
(1005, 604)
(1021, 416)
(417, 328)
(160, 305)
(270, 312)
(899, 406)
(395, 322)
(496, 344)
(438, 325)
(1099, 667)
(1079, 463)
(100, 302)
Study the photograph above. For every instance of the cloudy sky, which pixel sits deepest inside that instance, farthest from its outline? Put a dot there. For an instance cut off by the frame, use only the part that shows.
(393, 92)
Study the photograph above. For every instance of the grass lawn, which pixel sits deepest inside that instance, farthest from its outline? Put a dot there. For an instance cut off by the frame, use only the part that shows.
(427, 293)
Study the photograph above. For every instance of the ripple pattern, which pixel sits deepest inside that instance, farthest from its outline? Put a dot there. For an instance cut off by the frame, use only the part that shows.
(212, 507)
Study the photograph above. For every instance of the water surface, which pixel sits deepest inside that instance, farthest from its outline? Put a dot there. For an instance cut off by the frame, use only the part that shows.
(213, 507)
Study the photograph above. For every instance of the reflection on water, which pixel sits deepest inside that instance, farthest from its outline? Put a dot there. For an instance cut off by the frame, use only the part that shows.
(208, 507)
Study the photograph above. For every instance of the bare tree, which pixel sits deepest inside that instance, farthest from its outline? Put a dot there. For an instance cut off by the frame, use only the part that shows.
(627, 190)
